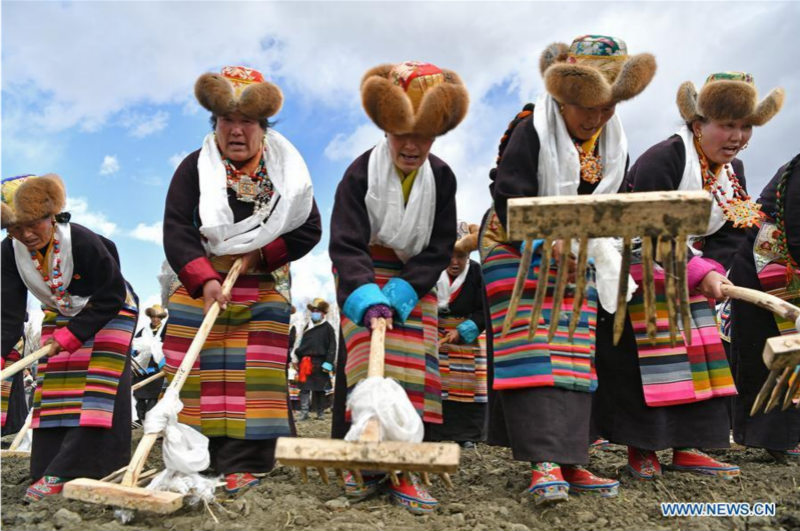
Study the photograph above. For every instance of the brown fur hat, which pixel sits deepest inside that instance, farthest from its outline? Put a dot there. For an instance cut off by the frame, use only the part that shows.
(238, 89)
(595, 70)
(30, 198)
(467, 242)
(318, 304)
(728, 96)
(412, 97)
(155, 311)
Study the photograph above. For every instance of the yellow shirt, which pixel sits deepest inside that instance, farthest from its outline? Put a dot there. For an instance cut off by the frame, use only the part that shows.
(407, 181)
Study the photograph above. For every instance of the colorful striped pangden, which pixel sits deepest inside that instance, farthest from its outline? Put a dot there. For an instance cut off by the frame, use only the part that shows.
(684, 373)
(78, 389)
(520, 363)
(238, 386)
(773, 281)
(411, 347)
(463, 367)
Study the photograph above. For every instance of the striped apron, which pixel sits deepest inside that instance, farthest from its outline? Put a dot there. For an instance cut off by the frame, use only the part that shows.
(463, 367)
(237, 387)
(411, 347)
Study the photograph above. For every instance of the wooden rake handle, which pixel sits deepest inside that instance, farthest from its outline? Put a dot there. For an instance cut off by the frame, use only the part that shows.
(149, 379)
(149, 439)
(377, 346)
(21, 434)
(764, 300)
(25, 362)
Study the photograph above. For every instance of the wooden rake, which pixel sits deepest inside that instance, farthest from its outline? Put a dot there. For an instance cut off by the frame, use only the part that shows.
(127, 493)
(781, 354)
(12, 451)
(24, 363)
(369, 453)
(661, 219)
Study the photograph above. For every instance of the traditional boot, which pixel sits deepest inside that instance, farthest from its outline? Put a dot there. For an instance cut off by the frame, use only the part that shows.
(547, 483)
(643, 464)
(45, 486)
(238, 481)
(370, 486)
(693, 460)
(581, 480)
(412, 494)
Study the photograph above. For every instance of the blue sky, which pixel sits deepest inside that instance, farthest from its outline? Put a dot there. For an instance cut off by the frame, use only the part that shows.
(101, 92)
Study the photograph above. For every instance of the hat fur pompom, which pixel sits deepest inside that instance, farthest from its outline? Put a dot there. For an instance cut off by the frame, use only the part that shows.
(387, 105)
(442, 108)
(215, 93)
(727, 100)
(636, 74)
(577, 84)
(687, 101)
(260, 100)
(39, 197)
(768, 107)
(556, 52)
(469, 242)
(8, 218)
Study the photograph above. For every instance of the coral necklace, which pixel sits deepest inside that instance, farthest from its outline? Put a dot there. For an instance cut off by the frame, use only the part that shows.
(590, 160)
(53, 280)
(739, 209)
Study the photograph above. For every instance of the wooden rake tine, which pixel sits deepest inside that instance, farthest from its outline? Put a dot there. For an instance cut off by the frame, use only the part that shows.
(670, 290)
(649, 288)
(793, 387)
(776, 392)
(762, 395)
(561, 286)
(519, 286)
(541, 287)
(580, 286)
(622, 290)
(683, 287)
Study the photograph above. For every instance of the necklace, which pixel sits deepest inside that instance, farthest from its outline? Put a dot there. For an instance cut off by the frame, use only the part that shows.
(792, 281)
(739, 208)
(53, 280)
(591, 161)
(250, 188)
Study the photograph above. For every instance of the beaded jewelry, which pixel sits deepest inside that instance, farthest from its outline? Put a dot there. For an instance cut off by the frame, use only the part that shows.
(53, 280)
(591, 165)
(739, 209)
(256, 188)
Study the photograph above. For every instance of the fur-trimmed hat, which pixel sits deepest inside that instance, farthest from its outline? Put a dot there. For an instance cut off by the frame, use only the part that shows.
(155, 311)
(728, 96)
(29, 198)
(412, 97)
(467, 240)
(238, 89)
(595, 70)
(318, 304)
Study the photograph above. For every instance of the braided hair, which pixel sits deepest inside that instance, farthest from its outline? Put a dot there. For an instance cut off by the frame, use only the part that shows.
(526, 111)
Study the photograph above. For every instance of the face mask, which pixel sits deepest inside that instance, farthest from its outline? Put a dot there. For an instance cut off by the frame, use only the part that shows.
(316, 316)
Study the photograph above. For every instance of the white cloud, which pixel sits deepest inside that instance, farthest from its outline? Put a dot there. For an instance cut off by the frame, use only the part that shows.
(96, 221)
(110, 165)
(176, 159)
(140, 125)
(348, 147)
(149, 233)
(312, 277)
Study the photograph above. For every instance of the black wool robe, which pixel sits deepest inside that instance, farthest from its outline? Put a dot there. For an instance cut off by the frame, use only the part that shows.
(776, 430)
(319, 344)
(66, 452)
(620, 412)
(464, 421)
(350, 254)
(537, 423)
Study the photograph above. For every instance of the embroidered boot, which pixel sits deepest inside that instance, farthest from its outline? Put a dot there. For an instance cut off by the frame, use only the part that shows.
(370, 486)
(45, 486)
(239, 480)
(599, 444)
(547, 483)
(643, 464)
(412, 494)
(693, 460)
(581, 480)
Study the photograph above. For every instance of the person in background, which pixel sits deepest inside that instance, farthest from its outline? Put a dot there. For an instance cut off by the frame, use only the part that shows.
(316, 354)
(148, 356)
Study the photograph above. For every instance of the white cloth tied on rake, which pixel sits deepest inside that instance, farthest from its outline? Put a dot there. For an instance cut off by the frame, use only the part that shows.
(384, 399)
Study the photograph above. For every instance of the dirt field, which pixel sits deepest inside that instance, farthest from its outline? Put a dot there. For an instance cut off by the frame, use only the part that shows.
(488, 495)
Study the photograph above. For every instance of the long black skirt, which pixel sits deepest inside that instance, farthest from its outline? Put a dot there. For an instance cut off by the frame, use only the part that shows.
(17, 407)
(752, 326)
(86, 452)
(462, 421)
(621, 415)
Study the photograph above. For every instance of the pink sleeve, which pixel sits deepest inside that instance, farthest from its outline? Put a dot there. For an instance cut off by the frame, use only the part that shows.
(196, 273)
(67, 339)
(697, 268)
